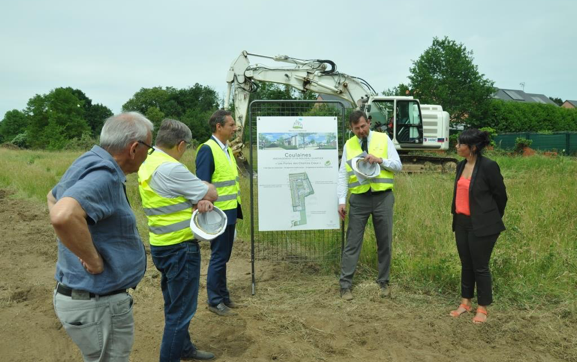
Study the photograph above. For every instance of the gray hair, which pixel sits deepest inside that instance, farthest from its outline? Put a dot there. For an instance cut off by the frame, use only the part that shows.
(121, 130)
(172, 132)
(218, 117)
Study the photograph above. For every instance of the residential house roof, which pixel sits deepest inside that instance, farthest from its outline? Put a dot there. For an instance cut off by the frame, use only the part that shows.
(517, 95)
(569, 104)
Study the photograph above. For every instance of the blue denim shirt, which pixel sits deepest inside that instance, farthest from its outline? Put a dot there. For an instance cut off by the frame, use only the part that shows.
(97, 182)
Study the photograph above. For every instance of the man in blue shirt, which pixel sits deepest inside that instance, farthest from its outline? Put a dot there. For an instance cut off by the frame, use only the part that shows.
(100, 254)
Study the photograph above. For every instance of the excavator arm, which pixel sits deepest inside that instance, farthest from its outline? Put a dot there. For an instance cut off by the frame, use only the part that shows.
(319, 76)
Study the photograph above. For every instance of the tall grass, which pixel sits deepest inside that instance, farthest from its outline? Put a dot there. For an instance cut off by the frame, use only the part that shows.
(534, 261)
(31, 174)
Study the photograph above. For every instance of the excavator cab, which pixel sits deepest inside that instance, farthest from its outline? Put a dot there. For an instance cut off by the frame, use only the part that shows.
(399, 118)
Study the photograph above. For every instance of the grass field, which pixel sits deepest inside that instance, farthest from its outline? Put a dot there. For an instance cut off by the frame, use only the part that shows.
(534, 262)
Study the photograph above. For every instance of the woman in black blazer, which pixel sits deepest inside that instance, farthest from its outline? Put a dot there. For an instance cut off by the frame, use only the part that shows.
(479, 200)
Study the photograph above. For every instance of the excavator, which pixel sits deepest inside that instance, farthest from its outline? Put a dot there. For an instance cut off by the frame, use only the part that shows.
(410, 125)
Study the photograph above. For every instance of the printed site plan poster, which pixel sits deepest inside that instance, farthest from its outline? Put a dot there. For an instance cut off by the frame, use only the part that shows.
(297, 173)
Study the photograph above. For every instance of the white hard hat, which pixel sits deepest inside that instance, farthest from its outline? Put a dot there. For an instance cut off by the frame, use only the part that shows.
(208, 225)
(365, 169)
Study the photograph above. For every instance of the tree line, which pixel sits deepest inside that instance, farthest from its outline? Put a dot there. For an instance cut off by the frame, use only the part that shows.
(444, 74)
(66, 118)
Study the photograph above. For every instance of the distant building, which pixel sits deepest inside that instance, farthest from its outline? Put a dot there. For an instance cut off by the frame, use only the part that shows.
(516, 95)
(569, 104)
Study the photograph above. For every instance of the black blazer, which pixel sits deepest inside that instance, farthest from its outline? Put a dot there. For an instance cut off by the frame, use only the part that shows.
(487, 197)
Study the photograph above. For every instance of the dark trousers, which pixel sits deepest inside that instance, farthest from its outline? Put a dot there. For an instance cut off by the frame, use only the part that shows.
(362, 206)
(221, 250)
(474, 253)
(180, 268)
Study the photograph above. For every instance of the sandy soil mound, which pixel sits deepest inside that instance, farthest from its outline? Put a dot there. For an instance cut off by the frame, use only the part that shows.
(296, 314)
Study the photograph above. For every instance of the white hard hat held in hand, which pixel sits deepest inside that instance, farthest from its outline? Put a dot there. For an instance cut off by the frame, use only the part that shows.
(208, 225)
(365, 169)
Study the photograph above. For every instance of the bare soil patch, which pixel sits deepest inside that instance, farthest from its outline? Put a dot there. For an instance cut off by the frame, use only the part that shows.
(296, 314)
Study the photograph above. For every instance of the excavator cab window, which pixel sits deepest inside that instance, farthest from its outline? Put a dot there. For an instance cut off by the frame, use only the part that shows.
(400, 119)
(382, 116)
(409, 123)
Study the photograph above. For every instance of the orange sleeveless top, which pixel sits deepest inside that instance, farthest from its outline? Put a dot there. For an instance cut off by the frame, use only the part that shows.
(462, 198)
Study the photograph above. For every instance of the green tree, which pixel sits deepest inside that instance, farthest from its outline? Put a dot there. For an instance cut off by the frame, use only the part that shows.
(445, 74)
(13, 124)
(155, 116)
(400, 90)
(273, 91)
(55, 118)
(146, 98)
(172, 102)
(201, 98)
(558, 101)
(21, 140)
(96, 116)
(192, 106)
(197, 121)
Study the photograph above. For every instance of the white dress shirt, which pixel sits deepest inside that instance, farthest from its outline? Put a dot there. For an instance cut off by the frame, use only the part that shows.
(223, 146)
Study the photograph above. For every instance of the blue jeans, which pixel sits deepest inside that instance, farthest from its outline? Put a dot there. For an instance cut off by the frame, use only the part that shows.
(221, 250)
(180, 268)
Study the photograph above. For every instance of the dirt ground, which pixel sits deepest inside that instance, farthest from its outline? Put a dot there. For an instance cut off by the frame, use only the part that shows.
(296, 314)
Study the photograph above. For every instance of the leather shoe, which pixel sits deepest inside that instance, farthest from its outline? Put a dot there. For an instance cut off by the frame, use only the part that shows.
(233, 305)
(221, 309)
(198, 355)
(385, 291)
(346, 294)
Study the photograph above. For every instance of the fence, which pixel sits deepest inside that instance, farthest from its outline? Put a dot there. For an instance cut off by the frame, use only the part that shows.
(565, 142)
(301, 245)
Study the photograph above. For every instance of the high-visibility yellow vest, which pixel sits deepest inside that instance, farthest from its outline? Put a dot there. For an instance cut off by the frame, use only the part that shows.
(377, 147)
(225, 177)
(168, 218)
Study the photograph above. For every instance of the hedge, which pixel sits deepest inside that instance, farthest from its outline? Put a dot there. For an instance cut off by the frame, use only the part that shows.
(527, 117)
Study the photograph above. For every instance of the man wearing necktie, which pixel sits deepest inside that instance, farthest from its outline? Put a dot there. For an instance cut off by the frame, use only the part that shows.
(368, 197)
(215, 163)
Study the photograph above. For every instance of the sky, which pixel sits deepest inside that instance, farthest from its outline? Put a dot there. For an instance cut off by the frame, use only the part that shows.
(112, 49)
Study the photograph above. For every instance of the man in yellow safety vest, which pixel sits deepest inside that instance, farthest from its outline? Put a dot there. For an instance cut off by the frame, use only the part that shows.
(369, 196)
(215, 163)
(169, 193)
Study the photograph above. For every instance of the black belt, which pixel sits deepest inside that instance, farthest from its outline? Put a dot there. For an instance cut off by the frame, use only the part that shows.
(82, 294)
(370, 192)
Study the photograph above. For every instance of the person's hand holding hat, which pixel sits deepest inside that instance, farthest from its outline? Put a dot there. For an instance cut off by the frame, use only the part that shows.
(204, 206)
(373, 159)
(365, 170)
(208, 225)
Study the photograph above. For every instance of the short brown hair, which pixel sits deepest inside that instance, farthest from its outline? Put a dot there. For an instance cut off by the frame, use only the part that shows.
(355, 117)
(218, 117)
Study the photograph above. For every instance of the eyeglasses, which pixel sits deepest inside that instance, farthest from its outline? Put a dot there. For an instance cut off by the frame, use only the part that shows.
(151, 149)
(188, 144)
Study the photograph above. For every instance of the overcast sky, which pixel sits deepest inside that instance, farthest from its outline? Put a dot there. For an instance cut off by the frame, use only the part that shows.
(112, 49)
